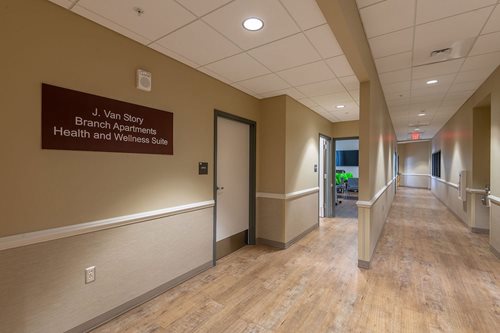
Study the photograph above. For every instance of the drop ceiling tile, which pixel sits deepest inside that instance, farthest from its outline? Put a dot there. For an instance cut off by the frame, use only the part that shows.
(350, 82)
(173, 55)
(427, 98)
(394, 62)
(402, 95)
(398, 102)
(490, 60)
(465, 86)
(305, 12)
(228, 21)
(396, 42)
(340, 66)
(245, 90)
(239, 67)
(324, 41)
(493, 24)
(355, 95)
(64, 3)
(109, 24)
(459, 94)
(263, 84)
(397, 87)
(292, 92)
(443, 33)
(214, 75)
(321, 88)
(474, 75)
(329, 102)
(197, 36)
(443, 81)
(486, 44)
(201, 8)
(396, 14)
(430, 10)
(160, 16)
(435, 94)
(285, 53)
(364, 3)
(433, 70)
(308, 102)
(396, 76)
(310, 73)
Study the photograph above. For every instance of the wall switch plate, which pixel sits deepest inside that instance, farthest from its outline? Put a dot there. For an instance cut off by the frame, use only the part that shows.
(89, 274)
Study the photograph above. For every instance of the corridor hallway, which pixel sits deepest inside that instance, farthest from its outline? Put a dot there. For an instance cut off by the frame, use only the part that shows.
(429, 274)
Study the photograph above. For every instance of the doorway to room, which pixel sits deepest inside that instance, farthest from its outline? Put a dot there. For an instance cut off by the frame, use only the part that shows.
(346, 177)
(326, 195)
(478, 209)
(234, 183)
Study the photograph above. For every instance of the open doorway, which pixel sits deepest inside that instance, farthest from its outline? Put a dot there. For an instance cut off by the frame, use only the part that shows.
(346, 177)
(478, 210)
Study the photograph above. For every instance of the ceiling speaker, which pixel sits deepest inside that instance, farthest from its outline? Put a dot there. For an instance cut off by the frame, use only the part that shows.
(143, 80)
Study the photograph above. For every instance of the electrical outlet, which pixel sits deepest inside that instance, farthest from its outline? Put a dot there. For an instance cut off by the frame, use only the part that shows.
(90, 274)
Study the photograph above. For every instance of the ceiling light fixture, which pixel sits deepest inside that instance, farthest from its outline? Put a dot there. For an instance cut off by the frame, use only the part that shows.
(432, 82)
(421, 114)
(340, 106)
(253, 24)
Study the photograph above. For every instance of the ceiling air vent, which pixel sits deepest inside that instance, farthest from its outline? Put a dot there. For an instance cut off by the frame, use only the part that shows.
(440, 53)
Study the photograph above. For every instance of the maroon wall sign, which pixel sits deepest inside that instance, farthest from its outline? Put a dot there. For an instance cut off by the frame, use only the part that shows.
(72, 120)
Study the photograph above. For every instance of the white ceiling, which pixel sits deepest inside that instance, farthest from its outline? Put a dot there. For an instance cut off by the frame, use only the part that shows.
(295, 53)
(402, 33)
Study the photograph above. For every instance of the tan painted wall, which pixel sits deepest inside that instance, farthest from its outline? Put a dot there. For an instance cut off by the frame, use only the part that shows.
(289, 143)
(414, 164)
(345, 129)
(53, 45)
(303, 128)
(455, 140)
(272, 142)
(377, 138)
(480, 147)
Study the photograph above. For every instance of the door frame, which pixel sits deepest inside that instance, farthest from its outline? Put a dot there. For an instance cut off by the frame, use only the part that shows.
(252, 177)
(334, 151)
(329, 209)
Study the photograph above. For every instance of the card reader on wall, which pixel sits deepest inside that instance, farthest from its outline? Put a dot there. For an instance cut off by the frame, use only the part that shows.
(462, 185)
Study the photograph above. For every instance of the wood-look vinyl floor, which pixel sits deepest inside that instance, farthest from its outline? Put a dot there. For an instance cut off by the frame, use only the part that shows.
(429, 274)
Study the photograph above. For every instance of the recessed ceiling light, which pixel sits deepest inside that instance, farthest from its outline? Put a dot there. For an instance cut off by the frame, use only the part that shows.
(432, 81)
(340, 106)
(253, 24)
(421, 114)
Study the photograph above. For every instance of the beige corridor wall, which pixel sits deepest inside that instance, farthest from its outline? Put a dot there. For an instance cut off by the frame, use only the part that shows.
(377, 138)
(455, 141)
(50, 44)
(42, 287)
(272, 143)
(345, 129)
(289, 143)
(303, 127)
(414, 164)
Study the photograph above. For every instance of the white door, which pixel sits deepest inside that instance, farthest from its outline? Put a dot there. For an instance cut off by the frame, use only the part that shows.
(233, 174)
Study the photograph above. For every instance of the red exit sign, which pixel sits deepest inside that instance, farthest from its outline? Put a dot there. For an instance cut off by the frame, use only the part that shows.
(415, 136)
